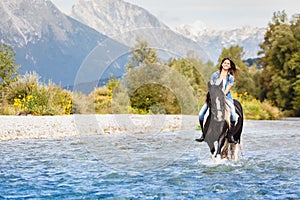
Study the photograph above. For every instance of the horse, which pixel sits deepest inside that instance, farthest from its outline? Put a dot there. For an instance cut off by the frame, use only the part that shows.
(217, 124)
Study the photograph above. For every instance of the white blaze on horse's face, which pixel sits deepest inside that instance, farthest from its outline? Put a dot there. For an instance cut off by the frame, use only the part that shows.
(219, 110)
(217, 101)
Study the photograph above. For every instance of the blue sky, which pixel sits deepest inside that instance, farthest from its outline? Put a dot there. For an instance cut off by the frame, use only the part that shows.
(214, 13)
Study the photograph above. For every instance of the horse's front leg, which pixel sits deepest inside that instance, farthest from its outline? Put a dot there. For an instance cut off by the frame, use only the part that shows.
(212, 152)
(221, 142)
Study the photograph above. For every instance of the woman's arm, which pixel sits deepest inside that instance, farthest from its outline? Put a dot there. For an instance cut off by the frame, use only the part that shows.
(229, 85)
(228, 88)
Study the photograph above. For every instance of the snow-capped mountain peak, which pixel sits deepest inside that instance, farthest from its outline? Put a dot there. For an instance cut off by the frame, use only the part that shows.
(192, 29)
(113, 16)
(28, 17)
(214, 40)
(126, 22)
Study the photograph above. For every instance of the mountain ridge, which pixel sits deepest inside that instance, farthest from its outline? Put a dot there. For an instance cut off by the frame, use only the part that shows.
(125, 22)
(46, 40)
(214, 40)
(55, 45)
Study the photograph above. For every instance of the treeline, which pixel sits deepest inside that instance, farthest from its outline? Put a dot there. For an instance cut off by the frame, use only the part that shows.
(173, 86)
(279, 81)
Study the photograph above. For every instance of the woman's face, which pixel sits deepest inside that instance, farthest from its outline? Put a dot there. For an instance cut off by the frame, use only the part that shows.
(226, 65)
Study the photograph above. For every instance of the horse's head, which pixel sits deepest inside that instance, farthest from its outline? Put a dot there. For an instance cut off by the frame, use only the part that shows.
(216, 101)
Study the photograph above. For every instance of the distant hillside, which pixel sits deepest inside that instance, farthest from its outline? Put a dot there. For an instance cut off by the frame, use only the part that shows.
(96, 44)
(45, 40)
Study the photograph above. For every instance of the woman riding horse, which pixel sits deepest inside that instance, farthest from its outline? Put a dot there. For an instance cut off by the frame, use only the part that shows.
(224, 75)
(217, 124)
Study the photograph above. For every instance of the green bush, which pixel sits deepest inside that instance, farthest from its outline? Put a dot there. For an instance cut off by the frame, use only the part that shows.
(28, 96)
(256, 110)
(102, 100)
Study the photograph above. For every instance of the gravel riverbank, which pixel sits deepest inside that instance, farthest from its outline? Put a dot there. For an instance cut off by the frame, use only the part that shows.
(48, 127)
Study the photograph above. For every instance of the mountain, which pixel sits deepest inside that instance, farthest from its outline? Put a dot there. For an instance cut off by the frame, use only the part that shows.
(213, 40)
(125, 22)
(93, 43)
(46, 40)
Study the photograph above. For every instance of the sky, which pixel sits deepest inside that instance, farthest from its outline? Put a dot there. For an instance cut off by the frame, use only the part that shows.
(219, 14)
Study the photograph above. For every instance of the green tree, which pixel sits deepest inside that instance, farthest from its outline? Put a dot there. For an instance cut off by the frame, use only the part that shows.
(8, 70)
(142, 65)
(294, 64)
(296, 100)
(190, 69)
(281, 62)
(156, 99)
(161, 87)
(141, 55)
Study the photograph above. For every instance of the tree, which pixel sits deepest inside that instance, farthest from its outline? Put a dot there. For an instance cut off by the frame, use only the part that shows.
(281, 62)
(294, 64)
(190, 69)
(141, 55)
(155, 98)
(161, 87)
(8, 69)
(143, 65)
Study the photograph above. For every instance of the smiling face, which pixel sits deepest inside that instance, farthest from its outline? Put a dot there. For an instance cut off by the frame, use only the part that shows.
(226, 65)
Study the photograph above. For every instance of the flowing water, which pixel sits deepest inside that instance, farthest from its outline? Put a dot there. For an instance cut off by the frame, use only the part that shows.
(154, 166)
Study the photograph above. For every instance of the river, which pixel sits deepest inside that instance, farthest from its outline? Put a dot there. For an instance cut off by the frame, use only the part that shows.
(154, 166)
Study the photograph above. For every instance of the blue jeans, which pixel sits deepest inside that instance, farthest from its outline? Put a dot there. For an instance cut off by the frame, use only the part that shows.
(233, 117)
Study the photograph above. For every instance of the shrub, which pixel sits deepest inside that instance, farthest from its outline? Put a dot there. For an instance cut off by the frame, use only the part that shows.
(82, 103)
(102, 100)
(254, 109)
(27, 95)
(60, 101)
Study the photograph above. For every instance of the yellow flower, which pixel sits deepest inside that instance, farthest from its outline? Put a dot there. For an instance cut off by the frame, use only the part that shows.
(29, 97)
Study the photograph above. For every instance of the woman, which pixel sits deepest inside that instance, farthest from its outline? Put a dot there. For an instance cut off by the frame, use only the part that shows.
(226, 74)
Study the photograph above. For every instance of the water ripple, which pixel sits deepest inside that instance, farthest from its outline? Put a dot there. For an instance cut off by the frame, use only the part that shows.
(149, 167)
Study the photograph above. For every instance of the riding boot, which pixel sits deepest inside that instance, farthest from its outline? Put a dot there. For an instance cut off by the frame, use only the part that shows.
(230, 133)
(201, 139)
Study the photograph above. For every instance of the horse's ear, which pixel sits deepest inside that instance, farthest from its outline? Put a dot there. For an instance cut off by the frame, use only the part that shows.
(221, 85)
(209, 85)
